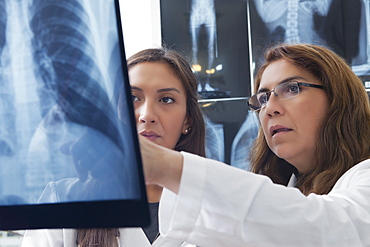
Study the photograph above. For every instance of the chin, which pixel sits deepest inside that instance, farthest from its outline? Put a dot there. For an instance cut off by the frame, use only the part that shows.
(282, 153)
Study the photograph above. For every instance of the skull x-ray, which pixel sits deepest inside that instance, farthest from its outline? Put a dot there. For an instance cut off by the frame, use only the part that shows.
(66, 129)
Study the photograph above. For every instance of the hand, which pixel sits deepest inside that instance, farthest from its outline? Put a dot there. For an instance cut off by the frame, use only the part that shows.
(162, 166)
(150, 157)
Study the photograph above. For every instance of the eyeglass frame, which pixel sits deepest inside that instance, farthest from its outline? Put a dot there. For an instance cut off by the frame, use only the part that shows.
(268, 94)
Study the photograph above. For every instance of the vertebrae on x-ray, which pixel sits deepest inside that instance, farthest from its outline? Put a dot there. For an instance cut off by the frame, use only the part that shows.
(203, 13)
(294, 17)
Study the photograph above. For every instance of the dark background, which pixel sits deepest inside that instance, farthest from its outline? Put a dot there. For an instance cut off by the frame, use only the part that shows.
(340, 29)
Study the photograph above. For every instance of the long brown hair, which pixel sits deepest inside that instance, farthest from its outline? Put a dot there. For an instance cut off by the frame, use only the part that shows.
(193, 142)
(344, 134)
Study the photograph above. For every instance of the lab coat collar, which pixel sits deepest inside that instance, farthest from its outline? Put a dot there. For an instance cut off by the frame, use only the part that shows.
(292, 181)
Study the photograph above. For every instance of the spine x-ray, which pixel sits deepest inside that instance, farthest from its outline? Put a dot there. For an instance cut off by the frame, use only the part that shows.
(292, 21)
(341, 25)
(203, 13)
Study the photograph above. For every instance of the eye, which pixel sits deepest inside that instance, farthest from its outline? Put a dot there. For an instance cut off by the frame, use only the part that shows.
(135, 98)
(167, 100)
(262, 98)
(292, 88)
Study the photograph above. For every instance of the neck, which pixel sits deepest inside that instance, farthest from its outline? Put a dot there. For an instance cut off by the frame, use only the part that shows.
(154, 192)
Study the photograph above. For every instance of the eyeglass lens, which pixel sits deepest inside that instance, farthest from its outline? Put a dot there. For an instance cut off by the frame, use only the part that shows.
(283, 91)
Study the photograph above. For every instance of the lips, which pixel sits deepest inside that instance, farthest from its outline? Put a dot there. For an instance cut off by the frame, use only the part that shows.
(151, 135)
(278, 128)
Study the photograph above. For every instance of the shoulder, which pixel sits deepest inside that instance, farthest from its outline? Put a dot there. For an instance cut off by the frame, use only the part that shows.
(358, 175)
(170, 242)
(363, 166)
(49, 237)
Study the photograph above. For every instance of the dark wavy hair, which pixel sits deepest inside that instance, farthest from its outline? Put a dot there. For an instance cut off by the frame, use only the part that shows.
(344, 134)
(193, 142)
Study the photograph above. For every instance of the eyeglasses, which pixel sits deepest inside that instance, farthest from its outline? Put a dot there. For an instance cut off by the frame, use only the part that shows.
(283, 91)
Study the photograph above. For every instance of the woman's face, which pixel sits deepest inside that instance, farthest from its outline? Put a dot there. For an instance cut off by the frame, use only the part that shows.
(291, 125)
(159, 100)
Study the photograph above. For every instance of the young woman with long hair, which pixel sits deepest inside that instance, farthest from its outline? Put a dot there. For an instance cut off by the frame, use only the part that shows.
(165, 99)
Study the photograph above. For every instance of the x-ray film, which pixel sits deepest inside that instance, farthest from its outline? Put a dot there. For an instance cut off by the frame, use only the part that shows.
(69, 153)
(214, 35)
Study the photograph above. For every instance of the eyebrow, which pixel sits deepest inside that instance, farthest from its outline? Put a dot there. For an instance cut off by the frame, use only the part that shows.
(169, 89)
(292, 78)
(136, 88)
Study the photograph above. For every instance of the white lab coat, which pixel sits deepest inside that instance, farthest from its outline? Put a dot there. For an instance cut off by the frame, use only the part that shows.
(70, 190)
(219, 205)
(130, 237)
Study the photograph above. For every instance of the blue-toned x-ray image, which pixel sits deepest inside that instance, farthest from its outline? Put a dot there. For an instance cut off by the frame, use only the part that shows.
(62, 138)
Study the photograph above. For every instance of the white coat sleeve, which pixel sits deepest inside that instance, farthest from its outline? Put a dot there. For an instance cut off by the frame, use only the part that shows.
(220, 205)
(49, 238)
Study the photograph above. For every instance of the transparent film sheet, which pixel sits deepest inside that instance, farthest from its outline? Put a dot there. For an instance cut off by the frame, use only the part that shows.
(66, 129)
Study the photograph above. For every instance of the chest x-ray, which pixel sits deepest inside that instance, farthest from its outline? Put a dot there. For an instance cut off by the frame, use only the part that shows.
(66, 131)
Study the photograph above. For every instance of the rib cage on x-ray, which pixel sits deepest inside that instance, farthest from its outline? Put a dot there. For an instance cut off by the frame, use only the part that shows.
(61, 33)
(7, 125)
(243, 142)
(51, 43)
(215, 147)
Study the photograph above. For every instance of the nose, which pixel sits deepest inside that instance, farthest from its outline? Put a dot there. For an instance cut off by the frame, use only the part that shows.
(147, 114)
(273, 106)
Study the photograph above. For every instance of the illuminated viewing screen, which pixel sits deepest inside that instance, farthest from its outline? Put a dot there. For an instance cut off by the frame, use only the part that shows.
(68, 141)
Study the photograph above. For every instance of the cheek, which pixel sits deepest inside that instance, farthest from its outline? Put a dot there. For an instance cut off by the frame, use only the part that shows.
(309, 126)
(175, 122)
(311, 116)
(263, 122)
(173, 131)
(137, 114)
(265, 129)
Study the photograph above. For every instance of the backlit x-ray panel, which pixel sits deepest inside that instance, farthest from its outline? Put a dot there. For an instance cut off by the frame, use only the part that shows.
(340, 25)
(68, 141)
(285, 21)
(213, 36)
(361, 61)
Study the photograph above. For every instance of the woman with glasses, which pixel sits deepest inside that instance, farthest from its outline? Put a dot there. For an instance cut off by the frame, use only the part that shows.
(312, 159)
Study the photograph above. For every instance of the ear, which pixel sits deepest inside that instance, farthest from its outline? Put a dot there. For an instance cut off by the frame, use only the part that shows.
(186, 127)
